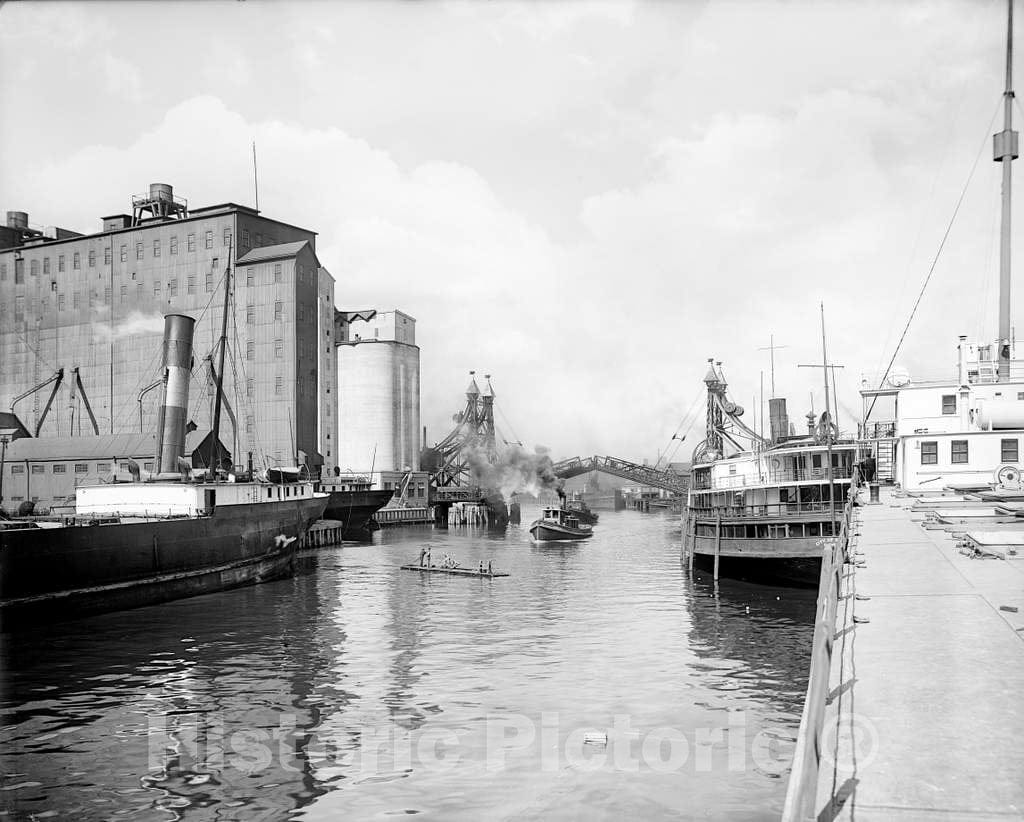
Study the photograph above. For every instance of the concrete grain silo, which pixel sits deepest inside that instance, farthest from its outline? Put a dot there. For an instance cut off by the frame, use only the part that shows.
(379, 393)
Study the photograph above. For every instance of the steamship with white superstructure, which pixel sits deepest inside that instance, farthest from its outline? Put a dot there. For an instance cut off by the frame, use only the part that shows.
(158, 538)
(759, 508)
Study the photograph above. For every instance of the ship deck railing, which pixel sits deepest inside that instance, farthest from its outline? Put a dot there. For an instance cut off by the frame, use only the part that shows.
(807, 758)
(772, 477)
(781, 509)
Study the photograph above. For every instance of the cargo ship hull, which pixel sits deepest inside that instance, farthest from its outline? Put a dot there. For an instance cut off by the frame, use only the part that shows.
(58, 573)
(355, 509)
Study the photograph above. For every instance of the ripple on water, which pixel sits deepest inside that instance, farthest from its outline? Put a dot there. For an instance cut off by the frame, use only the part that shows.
(358, 690)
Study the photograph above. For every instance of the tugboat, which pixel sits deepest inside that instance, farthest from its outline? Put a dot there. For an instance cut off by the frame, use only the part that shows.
(559, 524)
(578, 506)
(156, 538)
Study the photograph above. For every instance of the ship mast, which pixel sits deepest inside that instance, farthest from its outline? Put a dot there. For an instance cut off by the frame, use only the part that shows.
(215, 444)
(1004, 145)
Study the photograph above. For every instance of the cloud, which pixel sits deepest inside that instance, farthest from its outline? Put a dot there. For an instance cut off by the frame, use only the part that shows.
(122, 78)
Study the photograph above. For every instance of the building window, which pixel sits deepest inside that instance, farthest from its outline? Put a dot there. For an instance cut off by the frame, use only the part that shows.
(958, 452)
(103, 467)
(1008, 450)
(250, 350)
(60, 302)
(227, 237)
(140, 290)
(929, 453)
(60, 468)
(250, 315)
(250, 277)
(60, 262)
(124, 253)
(172, 288)
(216, 263)
(76, 261)
(124, 294)
(949, 403)
(156, 248)
(156, 288)
(92, 298)
(92, 258)
(76, 300)
(249, 425)
(139, 253)
(17, 469)
(147, 466)
(174, 245)
(209, 282)
(46, 265)
(278, 349)
(278, 311)
(277, 272)
(245, 237)
(108, 255)
(250, 388)
(106, 295)
(37, 469)
(81, 468)
(278, 385)
(191, 242)
(209, 239)
(191, 285)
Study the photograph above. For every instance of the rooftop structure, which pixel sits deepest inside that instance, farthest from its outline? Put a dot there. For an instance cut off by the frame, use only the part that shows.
(96, 303)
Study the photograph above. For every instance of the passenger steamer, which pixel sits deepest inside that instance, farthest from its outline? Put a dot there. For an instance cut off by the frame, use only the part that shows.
(762, 511)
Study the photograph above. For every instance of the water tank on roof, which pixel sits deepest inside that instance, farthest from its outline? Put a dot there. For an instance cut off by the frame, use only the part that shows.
(161, 191)
(17, 219)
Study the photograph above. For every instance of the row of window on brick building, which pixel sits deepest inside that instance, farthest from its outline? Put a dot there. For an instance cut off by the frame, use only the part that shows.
(959, 451)
(304, 313)
(108, 251)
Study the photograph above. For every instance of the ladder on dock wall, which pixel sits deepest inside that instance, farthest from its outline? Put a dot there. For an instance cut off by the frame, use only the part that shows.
(884, 459)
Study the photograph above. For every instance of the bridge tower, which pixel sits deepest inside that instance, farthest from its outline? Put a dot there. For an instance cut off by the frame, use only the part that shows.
(472, 438)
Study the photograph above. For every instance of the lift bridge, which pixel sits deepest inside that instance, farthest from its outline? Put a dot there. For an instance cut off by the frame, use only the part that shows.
(475, 438)
(640, 474)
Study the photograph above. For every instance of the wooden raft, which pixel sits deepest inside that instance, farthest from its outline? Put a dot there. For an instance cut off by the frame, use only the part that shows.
(464, 572)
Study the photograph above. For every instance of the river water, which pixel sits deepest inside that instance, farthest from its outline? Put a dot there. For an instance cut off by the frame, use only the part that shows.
(357, 690)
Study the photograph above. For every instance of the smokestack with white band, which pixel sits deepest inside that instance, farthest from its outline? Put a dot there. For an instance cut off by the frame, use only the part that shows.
(170, 442)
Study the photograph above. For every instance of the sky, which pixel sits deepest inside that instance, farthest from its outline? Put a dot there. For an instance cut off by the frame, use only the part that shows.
(584, 200)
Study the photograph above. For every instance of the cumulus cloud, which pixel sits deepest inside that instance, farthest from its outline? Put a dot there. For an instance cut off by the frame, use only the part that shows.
(587, 201)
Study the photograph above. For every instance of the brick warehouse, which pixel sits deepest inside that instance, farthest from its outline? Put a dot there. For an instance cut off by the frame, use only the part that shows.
(95, 303)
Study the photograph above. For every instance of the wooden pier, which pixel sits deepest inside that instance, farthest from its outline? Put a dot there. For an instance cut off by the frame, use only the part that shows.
(321, 533)
(463, 572)
(387, 517)
(921, 715)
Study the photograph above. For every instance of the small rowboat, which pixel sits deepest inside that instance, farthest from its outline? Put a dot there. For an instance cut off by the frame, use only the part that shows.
(559, 524)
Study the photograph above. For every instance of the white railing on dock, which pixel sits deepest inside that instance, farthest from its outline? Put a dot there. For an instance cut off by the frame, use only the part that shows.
(803, 779)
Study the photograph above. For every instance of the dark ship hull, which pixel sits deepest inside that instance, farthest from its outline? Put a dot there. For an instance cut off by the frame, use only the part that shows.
(59, 573)
(355, 509)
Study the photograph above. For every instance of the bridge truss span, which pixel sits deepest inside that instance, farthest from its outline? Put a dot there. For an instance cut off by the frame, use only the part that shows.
(640, 474)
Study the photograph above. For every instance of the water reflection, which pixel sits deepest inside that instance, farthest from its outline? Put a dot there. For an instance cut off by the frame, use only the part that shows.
(357, 690)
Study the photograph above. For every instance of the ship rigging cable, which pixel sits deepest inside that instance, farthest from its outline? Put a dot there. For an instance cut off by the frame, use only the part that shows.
(935, 260)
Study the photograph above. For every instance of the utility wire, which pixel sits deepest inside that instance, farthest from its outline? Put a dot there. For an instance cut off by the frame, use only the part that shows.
(935, 261)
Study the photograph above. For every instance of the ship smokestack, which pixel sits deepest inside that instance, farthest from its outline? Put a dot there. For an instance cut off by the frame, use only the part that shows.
(170, 435)
(778, 419)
